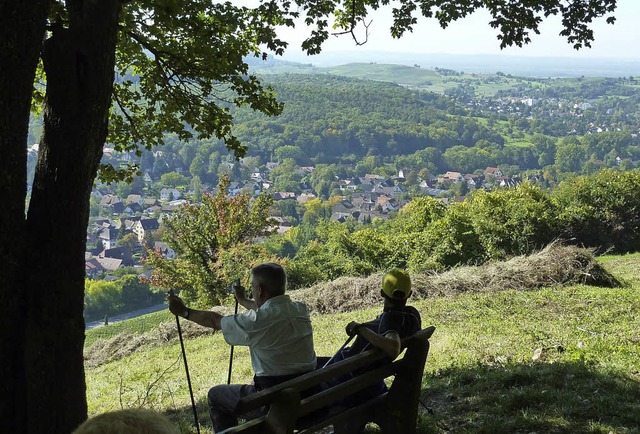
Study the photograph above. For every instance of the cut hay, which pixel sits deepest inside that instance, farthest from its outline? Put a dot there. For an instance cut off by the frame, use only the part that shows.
(125, 344)
(555, 265)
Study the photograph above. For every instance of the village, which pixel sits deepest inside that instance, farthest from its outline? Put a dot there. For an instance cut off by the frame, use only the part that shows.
(124, 227)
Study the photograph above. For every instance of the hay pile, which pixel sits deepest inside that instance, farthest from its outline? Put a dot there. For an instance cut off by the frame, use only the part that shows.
(125, 344)
(553, 266)
(556, 265)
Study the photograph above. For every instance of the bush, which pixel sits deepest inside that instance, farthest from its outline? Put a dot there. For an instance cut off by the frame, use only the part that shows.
(601, 211)
(512, 222)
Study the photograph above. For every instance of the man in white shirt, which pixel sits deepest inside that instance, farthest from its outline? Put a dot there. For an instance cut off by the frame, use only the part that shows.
(276, 330)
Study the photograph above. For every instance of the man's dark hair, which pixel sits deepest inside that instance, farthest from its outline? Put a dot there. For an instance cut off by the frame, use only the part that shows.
(271, 276)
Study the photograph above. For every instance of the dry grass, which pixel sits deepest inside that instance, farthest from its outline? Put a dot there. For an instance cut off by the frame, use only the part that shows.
(124, 344)
(553, 266)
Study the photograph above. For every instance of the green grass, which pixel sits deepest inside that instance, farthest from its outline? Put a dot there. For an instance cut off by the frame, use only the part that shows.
(480, 376)
(138, 325)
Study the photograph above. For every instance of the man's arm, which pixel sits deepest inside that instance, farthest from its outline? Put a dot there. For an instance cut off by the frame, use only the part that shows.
(205, 318)
(389, 343)
(245, 302)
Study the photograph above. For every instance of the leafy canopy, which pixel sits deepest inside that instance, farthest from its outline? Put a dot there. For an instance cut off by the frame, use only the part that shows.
(181, 64)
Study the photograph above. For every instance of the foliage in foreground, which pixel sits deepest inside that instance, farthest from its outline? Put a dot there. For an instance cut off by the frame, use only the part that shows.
(480, 376)
(214, 244)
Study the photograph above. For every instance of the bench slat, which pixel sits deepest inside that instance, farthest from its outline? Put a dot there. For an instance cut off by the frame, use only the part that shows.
(329, 396)
(309, 380)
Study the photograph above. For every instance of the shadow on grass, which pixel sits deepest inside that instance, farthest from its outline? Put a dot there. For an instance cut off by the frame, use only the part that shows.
(184, 420)
(561, 397)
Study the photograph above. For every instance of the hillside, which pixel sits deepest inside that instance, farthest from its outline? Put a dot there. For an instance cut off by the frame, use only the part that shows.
(480, 377)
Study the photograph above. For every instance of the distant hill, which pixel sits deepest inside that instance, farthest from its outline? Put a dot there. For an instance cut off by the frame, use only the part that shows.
(481, 63)
(400, 74)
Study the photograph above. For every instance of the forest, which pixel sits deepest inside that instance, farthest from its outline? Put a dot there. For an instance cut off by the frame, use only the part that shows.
(585, 126)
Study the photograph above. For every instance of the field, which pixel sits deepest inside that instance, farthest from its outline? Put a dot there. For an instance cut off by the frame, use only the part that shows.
(481, 375)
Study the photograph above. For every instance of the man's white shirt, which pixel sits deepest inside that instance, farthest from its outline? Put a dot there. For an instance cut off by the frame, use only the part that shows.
(278, 334)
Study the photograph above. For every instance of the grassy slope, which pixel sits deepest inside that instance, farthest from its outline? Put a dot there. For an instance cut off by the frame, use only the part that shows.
(480, 376)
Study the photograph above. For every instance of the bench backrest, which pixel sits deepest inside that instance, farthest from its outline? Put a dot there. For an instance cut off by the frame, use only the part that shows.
(403, 394)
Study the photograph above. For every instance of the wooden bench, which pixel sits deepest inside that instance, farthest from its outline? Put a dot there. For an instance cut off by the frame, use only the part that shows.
(395, 411)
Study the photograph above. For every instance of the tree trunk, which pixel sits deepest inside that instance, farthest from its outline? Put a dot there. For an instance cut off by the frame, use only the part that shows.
(21, 36)
(79, 64)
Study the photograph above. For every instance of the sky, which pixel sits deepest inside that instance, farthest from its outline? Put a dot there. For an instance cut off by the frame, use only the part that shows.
(473, 35)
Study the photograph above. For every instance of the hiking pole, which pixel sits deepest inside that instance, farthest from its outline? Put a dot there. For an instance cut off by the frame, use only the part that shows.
(349, 339)
(186, 368)
(235, 284)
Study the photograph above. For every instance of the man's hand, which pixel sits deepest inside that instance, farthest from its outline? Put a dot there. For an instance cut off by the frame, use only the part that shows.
(176, 305)
(239, 291)
(352, 328)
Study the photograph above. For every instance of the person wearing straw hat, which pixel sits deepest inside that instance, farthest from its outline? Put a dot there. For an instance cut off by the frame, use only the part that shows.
(385, 332)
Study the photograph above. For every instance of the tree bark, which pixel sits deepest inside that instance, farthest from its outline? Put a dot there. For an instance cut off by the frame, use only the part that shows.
(21, 36)
(79, 64)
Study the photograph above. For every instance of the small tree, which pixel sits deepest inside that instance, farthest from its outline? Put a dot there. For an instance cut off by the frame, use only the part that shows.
(214, 243)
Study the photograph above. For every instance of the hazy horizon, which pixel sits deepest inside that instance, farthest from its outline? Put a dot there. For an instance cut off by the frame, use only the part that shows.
(473, 36)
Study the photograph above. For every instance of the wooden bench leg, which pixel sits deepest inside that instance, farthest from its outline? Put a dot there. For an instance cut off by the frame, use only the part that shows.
(281, 418)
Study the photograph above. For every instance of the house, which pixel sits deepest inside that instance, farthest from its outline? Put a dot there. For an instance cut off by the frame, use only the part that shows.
(509, 182)
(149, 201)
(133, 198)
(374, 177)
(427, 183)
(164, 249)
(451, 177)
(307, 169)
(117, 208)
(108, 236)
(109, 264)
(433, 192)
(177, 203)
(342, 217)
(343, 207)
(126, 224)
(167, 194)
(388, 203)
(362, 199)
(143, 226)
(108, 200)
(348, 184)
(473, 181)
(132, 208)
(304, 197)
(271, 165)
(282, 226)
(283, 195)
(152, 209)
(258, 176)
(92, 268)
(234, 188)
(494, 171)
(103, 223)
(122, 253)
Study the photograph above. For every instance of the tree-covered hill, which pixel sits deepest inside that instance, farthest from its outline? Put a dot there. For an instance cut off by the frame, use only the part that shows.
(329, 117)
